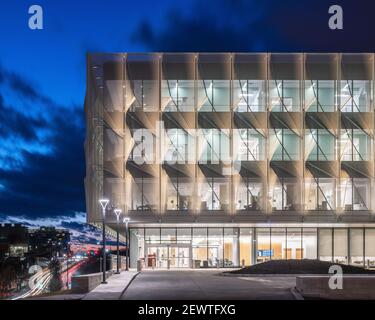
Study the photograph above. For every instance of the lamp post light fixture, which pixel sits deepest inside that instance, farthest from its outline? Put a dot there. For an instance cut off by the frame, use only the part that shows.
(104, 204)
(118, 213)
(67, 271)
(126, 221)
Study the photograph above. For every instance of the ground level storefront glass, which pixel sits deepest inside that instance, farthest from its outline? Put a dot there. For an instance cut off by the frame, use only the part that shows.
(217, 247)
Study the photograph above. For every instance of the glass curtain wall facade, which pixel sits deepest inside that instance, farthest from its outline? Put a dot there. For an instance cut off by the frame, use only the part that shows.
(231, 141)
(197, 247)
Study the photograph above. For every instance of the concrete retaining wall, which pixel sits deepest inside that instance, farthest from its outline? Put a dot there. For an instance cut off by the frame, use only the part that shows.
(354, 287)
(87, 282)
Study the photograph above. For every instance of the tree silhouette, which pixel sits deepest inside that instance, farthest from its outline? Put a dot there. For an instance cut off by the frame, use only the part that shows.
(55, 283)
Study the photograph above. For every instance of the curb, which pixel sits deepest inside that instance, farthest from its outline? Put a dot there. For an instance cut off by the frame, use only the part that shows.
(239, 275)
(296, 294)
(127, 286)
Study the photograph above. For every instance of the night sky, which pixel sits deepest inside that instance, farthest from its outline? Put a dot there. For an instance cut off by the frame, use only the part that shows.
(42, 73)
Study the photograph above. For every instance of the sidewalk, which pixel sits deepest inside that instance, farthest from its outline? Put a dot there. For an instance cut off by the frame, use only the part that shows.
(115, 287)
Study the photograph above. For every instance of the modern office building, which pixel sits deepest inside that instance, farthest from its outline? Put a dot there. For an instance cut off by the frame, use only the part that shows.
(13, 240)
(229, 159)
(48, 242)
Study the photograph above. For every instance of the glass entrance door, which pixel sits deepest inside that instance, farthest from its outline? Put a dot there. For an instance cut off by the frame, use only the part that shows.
(167, 256)
(179, 257)
(157, 257)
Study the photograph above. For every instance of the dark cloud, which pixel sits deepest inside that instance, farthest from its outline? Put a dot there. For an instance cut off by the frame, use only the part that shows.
(16, 124)
(47, 183)
(205, 36)
(20, 85)
(179, 32)
(24, 87)
(268, 25)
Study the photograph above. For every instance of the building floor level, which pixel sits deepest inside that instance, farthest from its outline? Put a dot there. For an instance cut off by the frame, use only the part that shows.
(210, 247)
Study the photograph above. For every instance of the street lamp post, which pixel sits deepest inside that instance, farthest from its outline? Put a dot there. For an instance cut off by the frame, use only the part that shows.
(104, 203)
(67, 272)
(126, 221)
(118, 213)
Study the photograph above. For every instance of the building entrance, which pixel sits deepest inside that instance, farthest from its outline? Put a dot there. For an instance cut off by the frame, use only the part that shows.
(166, 256)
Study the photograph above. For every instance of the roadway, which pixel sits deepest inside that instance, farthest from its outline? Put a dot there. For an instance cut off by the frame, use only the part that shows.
(38, 282)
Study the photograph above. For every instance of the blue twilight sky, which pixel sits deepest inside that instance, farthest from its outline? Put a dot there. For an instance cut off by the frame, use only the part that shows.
(42, 73)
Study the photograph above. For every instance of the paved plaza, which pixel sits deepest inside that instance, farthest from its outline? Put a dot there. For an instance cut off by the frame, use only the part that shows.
(207, 285)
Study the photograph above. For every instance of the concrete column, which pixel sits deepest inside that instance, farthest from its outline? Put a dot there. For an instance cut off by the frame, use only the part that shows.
(133, 257)
(254, 247)
(236, 249)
